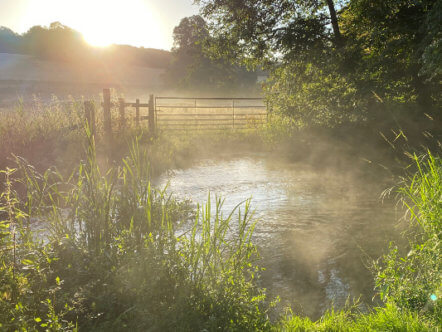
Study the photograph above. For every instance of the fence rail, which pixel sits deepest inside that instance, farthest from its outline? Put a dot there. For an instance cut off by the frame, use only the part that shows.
(195, 113)
(181, 113)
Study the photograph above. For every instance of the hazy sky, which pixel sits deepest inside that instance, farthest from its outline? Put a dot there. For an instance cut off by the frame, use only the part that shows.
(147, 23)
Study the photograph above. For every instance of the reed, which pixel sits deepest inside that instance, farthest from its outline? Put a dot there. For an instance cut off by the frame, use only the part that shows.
(413, 279)
(116, 253)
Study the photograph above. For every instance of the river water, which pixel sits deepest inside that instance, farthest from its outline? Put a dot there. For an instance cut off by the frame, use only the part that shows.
(317, 231)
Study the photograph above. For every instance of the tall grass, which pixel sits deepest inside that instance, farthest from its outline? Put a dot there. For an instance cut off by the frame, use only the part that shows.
(52, 134)
(113, 254)
(42, 132)
(414, 280)
(388, 318)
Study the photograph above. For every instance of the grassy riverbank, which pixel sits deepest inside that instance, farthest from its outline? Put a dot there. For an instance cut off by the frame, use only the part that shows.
(96, 247)
(111, 256)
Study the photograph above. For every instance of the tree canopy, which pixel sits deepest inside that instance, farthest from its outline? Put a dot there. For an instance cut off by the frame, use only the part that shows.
(261, 28)
(193, 67)
(10, 42)
(335, 61)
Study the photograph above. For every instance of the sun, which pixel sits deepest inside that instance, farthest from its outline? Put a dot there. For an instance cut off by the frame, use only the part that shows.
(104, 22)
(98, 38)
(116, 22)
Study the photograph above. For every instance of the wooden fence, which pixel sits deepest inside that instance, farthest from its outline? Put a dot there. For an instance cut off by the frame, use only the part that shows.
(180, 113)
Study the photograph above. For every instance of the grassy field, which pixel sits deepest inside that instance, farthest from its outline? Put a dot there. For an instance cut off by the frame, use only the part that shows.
(25, 76)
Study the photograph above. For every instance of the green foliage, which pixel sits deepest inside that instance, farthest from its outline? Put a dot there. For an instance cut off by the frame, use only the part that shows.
(277, 130)
(388, 318)
(380, 56)
(392, 318)
(59, 42)
(392, 38)
(313, 95)
(260, 31)
(115, 253)
(10, 41)
(431, 58)
(28, 287)
(195, 68)
(414, 280)
(42, 133)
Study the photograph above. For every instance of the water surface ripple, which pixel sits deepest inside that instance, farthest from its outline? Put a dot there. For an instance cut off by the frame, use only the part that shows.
(317, 229)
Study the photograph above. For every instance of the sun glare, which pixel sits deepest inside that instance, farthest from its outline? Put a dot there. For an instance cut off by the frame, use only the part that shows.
(106, 22)
(97, 38)
(117, 22)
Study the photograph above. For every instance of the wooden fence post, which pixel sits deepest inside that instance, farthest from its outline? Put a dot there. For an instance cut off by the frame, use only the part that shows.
(151, 115)
(89, 112)
(267, 111)
(233, 111)
(122, 110)
(107, 118)
(137, 113)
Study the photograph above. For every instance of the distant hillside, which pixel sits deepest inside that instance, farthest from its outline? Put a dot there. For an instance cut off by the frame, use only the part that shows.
(28, 68)
(23, 76)
(56, 60)
(63, 44)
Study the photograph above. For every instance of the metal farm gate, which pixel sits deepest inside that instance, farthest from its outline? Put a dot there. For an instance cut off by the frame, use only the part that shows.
(189, 113)
(179, 113)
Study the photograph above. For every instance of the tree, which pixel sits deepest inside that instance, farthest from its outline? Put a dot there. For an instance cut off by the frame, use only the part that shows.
(190, 34)
(399, 41)
(10, 42)
(61, 43)
(270, 28)
(57, 42)
(332, 61)
(194, 68)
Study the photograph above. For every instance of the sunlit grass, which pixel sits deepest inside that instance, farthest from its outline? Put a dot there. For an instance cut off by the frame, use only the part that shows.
(111, 253)
(111, 256)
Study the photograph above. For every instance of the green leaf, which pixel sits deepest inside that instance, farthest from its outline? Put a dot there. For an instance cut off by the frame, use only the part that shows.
(27, 262)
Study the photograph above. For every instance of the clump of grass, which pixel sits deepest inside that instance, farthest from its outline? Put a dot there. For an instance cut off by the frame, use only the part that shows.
(413, 281)
(277, 130)
(46, 134)
(388, 318)
(113, 255)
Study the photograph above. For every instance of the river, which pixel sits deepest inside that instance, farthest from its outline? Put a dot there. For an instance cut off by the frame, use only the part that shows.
(317, 229)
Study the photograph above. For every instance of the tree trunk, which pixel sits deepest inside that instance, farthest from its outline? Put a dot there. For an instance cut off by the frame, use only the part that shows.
(334, 21)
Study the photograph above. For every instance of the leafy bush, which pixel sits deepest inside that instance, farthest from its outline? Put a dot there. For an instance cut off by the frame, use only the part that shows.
(314, 95)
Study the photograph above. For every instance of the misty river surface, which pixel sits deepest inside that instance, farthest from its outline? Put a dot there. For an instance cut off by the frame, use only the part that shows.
(317, 231)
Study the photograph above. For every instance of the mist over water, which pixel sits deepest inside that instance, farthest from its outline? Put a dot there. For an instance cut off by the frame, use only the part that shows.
(317, 230)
